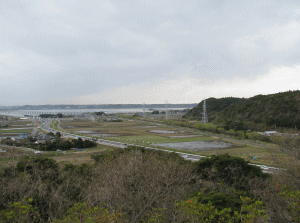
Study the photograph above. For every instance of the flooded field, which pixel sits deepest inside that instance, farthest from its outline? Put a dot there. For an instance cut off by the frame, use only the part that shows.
(198, 145)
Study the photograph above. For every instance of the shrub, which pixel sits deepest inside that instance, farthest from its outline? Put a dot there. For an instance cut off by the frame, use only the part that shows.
(83, 213)
(293, 198)
(21, 211)
(39, 168)
(194, 211)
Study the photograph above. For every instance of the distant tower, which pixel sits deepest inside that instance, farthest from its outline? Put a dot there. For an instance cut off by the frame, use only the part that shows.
(144, 109)
(204, 114)
(167, 112)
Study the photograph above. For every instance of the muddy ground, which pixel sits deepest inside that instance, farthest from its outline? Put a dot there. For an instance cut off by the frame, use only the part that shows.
(198, 145)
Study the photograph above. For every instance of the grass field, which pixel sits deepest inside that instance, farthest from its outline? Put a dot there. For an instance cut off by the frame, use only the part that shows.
(15, 131)
(158, 139)
(260, 155)
(76, 157)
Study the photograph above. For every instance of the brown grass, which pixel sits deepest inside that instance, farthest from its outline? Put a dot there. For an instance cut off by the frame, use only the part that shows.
(77, 158)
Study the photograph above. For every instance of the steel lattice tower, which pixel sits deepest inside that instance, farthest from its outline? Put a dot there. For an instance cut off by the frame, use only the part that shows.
(204, 113)
(167, 112)
(144, 110)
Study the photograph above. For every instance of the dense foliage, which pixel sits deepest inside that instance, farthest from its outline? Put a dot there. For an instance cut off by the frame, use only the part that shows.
(280, 110)
(214, 105)
(139, 185)
(58, 115)
(233, 171)
(51, 145)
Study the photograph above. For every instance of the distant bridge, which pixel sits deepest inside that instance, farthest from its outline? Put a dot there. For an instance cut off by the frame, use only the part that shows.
(35, 113)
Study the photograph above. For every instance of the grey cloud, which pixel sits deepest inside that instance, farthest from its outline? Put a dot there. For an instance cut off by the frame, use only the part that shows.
(74, 48)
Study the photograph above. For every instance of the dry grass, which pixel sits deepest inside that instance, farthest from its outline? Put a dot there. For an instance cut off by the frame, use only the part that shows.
(263, 156)
(77, 158)
(11, 156)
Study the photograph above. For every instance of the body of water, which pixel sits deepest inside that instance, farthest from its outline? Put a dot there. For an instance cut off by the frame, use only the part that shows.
(21, 113)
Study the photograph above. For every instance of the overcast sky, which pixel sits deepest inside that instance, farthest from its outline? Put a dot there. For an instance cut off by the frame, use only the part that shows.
(182, 51)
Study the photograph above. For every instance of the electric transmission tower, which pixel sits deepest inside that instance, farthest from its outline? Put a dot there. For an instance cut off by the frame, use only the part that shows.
(204, 113)
(167, 112)
(144, 110)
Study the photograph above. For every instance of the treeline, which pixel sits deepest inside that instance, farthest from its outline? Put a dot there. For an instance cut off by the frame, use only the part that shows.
(243, 134)
(67, 145)
(58, 115)
(51, 145)
(256, 113)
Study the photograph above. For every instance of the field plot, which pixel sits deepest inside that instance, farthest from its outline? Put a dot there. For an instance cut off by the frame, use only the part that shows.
(254, 155)
(180, 139)
(77, 158)
(198, 145)
(10, 151)
(134, 130)
(15, 127)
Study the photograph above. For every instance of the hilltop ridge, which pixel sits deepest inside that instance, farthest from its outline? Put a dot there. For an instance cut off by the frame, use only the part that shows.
(276, 110)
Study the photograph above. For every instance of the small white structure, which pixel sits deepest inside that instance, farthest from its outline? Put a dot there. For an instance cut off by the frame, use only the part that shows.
(269, 133)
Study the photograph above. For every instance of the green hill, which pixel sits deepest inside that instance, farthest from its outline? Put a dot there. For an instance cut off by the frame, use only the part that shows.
(214, 105)
(281, 109)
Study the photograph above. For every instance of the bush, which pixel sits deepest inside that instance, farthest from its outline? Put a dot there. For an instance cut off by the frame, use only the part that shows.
(27, 164)
(195, 211)
(83, 213)
(39, 168)
(21, 211)
(223, 200)
(206, 126)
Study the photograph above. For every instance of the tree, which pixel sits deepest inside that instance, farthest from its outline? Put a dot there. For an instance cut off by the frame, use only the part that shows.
(60, 115)
(57, 136)
(233, 171)
(99, 113)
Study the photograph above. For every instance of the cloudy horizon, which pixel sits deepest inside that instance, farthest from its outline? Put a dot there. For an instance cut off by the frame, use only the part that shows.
(134, 52)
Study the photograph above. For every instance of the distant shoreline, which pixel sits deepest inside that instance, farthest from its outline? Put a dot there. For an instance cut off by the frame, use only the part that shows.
(103, 106)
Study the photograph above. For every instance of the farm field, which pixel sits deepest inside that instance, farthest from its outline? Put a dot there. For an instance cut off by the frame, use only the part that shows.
(152, 133)
(144, 133)
(15, 126)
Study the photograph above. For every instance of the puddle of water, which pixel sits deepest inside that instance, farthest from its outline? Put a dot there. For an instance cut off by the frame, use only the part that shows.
(186, 136)
(83, 131)
(104, 135)
(163, 131)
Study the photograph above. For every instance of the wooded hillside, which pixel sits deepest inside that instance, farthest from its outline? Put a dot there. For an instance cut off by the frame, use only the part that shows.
(281, 109)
